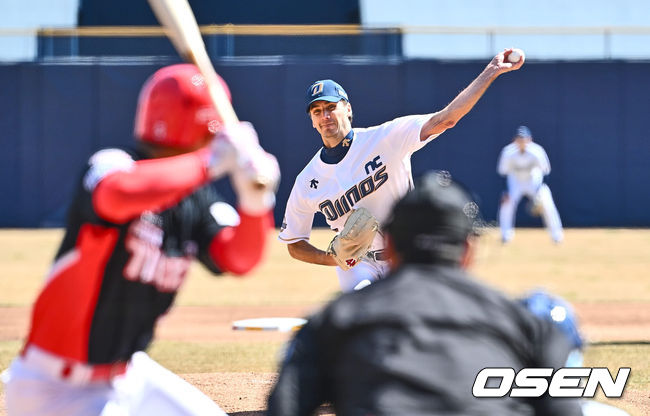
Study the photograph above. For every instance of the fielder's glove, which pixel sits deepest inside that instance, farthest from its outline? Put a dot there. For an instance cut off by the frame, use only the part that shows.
(351, 244)
(535, 207)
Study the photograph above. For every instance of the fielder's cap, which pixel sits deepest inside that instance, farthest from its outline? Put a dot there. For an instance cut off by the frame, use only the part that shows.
(326, 90)
(433, 221)
(523, 131)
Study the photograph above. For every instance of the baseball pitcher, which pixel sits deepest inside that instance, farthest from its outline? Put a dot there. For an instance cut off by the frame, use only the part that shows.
(359, 173)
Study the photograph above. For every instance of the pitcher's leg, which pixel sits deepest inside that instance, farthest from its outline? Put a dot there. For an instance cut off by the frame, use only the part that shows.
(363, 273)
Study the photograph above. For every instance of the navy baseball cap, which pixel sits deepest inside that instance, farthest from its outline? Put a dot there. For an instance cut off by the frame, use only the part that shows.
(326, 90)
(523, 131)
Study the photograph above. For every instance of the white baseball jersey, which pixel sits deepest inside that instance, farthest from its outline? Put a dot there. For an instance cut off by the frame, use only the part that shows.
(527, 167)
(374, 174)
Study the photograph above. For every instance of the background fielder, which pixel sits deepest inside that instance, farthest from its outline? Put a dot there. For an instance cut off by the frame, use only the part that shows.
(365, 168)
(524, 164)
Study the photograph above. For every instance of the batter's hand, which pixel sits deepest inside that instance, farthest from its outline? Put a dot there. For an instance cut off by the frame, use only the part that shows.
(234, 146)
(503, 65)
(255, 182)
(254, 173)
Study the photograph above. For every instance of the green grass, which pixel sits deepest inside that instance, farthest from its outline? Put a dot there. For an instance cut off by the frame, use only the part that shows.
(226, 357)
(635, 400)
(193, 357)
(8, 350)
(637, 357)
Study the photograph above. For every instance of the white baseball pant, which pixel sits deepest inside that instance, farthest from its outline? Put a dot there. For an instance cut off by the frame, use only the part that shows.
(146, 388)
(365, 272)
(550, 215)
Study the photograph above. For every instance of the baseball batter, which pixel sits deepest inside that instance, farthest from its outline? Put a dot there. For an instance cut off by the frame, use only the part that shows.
(364, 168)
(138, 219)
(524, 164)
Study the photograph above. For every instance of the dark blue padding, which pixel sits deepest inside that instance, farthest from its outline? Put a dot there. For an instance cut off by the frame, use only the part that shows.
(591, 117)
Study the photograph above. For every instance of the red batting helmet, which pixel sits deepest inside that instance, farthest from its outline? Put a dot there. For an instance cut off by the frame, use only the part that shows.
(175, 109)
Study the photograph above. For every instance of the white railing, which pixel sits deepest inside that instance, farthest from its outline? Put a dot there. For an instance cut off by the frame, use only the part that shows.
(445, 42)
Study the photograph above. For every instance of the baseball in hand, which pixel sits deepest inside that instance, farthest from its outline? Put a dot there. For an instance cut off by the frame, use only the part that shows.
(514, 57)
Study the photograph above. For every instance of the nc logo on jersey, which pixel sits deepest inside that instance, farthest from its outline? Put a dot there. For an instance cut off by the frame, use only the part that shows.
(373, 164)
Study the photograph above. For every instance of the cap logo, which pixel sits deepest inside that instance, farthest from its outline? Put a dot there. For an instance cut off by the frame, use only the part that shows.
(197, 80)
(558, 313)
(214, 126)
(342, 93)
(317, 89)
(159, 130)
(203, 115)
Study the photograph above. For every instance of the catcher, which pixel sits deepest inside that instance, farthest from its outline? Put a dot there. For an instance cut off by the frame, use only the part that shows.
(367, 168)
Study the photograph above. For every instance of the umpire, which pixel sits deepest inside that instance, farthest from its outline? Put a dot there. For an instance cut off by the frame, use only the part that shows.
(413, 343)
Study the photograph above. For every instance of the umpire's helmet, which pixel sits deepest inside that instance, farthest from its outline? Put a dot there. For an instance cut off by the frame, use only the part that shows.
(175, 109)
(433, 221)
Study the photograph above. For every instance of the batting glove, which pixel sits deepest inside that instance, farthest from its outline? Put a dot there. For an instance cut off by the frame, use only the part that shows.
(254, 173)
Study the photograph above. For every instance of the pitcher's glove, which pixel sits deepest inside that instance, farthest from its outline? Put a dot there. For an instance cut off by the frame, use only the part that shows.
(351, 244)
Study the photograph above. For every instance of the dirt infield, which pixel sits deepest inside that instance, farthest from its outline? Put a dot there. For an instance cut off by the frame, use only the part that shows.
(599, 322)
(244, 393)
(604, 273)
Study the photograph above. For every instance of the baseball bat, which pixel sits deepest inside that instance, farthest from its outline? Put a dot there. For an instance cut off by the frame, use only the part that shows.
(177, 18)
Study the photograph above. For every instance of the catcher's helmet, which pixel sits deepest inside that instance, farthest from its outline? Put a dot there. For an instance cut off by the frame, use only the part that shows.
(175, 109)
(433, 221)
(555, 309)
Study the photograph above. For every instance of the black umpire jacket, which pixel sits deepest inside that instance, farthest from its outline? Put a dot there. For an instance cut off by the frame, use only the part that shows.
(412, 344)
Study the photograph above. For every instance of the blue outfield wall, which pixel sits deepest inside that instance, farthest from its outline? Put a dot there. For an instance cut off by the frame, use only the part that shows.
(591, 117)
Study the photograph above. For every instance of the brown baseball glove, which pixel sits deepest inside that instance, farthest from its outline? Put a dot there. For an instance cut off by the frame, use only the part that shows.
(355, 240)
